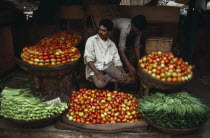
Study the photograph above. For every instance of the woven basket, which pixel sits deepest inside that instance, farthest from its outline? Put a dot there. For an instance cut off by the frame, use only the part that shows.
(35, 123)
(152, 82)
(176, 131)
(155, 44)
(56, 70)
(50, 80)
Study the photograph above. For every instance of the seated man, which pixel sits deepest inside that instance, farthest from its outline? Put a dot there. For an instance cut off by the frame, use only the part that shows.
(101, 57)
(130, 32)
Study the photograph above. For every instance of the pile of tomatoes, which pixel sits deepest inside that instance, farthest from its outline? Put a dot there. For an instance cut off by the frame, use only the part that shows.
(61, 39)
(103, 106)
(55, 50)
(166, 67)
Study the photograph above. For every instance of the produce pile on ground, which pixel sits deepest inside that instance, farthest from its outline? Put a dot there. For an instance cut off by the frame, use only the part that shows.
(19, 104)
(55, 50)
(103, 106)
(178, 110)
(166, 67)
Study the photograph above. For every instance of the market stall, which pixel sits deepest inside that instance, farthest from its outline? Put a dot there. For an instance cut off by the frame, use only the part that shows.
(53, 61)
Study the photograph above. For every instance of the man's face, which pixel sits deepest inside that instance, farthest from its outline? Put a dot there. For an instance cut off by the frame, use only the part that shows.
(103, 32)
(135, 30)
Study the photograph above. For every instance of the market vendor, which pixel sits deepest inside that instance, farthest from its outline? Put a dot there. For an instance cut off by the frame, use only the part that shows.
(102, 59)
(128, 32)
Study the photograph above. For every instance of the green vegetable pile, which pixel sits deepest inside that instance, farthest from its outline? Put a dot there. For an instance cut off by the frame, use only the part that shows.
(178, 110)
(19, 104)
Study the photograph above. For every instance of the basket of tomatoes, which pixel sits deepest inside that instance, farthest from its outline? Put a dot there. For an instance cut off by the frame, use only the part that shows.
(58, 49)
(164, 71)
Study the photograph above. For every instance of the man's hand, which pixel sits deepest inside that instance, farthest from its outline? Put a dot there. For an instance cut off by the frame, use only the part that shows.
(130, 67)
(132, 70)
(101, 77)
(124, 76)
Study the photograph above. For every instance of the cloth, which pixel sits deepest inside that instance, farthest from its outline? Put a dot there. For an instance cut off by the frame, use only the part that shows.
(123, 25)
(111, 72)
(134, 2)
(102, 54)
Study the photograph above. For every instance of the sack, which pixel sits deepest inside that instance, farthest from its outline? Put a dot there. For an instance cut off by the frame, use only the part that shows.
(138, 126)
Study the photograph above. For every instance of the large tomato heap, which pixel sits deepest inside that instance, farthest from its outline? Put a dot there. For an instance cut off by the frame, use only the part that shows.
(102, 106)
(55, 50)
(61, 39)
(166, 67)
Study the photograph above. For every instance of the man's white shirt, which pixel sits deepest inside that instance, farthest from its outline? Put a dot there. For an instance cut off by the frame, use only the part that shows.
(101, 53)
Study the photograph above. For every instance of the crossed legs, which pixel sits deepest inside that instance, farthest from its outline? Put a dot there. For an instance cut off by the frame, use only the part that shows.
(111, 72)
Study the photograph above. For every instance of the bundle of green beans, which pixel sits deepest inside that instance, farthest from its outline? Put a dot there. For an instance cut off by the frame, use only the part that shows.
(178, 110)
(19, 104)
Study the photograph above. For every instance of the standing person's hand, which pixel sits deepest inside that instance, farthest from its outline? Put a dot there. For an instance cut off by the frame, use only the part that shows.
(132, 71)
(101, 77)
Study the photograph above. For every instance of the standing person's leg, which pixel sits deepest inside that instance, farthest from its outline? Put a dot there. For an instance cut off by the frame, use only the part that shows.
(131, 50)
(115, 73)
(99, 84)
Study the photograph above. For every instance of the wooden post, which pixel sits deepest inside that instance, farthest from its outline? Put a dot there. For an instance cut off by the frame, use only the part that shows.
(144, 90)
(6, 49)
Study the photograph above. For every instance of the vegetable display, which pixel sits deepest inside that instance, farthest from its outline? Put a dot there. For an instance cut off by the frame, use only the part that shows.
(178, 110)
(55, 50)
(19, 104)
(166, 67)
(62, 39)
(103, 106)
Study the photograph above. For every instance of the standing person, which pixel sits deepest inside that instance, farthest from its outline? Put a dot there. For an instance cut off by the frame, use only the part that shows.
(126, 28)
(101, 57)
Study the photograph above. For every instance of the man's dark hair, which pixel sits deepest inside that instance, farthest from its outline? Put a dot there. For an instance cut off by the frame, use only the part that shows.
(106, 23)
(139, 21)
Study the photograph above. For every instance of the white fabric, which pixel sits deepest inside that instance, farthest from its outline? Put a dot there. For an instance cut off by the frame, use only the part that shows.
(134, 2)
(124, 26)
(208, 6)
(101, 53)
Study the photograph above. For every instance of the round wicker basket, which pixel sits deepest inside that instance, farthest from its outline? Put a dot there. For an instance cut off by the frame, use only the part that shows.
(35, 123)
(55, 70)
(176, 131)
(152, 82)
(52, 79)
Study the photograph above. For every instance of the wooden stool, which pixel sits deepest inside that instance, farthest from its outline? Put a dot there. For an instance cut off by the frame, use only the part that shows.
(115, 84)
